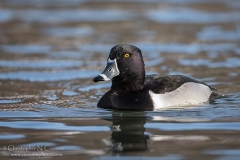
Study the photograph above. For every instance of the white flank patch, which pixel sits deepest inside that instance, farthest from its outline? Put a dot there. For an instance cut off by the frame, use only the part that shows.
(104, 77)
(189, 93)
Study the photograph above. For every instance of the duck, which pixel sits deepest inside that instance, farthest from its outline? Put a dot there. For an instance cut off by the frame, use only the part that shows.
(131, 89)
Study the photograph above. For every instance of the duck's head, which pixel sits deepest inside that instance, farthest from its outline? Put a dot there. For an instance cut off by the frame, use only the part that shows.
(125, 67)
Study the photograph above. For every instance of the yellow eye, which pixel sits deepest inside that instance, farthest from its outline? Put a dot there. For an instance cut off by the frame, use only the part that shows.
(127, 55)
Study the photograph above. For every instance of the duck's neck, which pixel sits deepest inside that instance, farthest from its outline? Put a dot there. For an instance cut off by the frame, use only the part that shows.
(129, 82)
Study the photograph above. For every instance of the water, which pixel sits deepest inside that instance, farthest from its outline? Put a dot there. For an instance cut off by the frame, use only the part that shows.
(51, 50)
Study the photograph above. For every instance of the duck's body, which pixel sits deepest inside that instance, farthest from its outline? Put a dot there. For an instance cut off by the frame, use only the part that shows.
(132, 90)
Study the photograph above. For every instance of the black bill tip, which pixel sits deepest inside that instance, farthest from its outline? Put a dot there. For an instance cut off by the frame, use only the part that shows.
(98, 78)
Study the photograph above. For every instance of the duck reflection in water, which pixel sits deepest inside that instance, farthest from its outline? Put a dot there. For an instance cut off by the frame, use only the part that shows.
(128, 132)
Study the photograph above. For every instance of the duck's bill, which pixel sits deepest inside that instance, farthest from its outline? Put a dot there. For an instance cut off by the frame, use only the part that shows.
(109, 72)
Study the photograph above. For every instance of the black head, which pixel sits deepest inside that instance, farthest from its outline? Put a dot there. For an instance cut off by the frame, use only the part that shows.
(125, 68)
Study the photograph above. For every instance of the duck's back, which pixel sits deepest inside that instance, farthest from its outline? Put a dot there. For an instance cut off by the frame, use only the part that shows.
(177, 90)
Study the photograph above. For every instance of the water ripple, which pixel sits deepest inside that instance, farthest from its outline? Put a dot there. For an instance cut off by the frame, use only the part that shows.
(185, 15)
(191, 48)
(26, 49)
(5, 15)
(9, 101)
(52, 126)
(59, 16)
(95, 86)
(194, 126)
(153, 48)
(44, 2)
(40, 63)
(216, 33)
(11, 136)
(228, 63)
(68, 32)
(38, 76)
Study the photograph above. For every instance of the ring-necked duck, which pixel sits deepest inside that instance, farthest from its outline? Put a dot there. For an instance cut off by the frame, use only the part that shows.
(131, 89)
